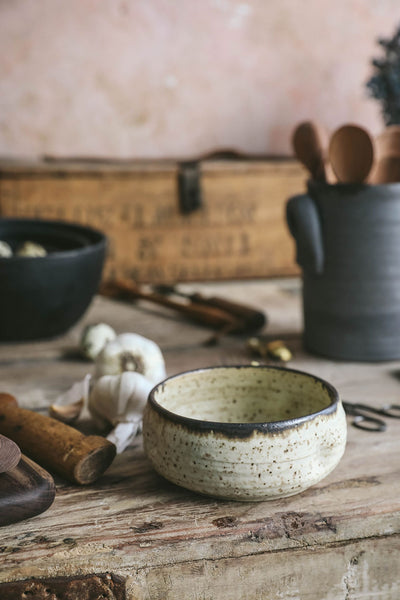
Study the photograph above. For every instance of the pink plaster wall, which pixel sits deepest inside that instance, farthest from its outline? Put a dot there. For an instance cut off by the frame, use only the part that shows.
(167, 78)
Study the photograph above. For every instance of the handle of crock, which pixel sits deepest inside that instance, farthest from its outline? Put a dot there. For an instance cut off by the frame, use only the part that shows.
(305, 226)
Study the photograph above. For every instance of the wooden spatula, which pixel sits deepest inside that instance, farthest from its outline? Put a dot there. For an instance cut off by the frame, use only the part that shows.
(25, 491)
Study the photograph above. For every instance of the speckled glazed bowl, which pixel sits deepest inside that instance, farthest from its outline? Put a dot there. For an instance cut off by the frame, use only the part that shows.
(244, 433)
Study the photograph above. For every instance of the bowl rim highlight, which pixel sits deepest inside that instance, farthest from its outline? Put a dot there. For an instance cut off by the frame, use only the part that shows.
(243, 429)
(91, 237)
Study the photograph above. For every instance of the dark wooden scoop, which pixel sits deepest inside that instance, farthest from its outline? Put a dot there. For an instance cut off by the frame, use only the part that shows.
(10, 454)
(25, 491)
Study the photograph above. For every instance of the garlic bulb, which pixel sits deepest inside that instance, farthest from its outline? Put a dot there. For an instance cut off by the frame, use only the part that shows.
(29, 248)
(5, 250)
(94, 338)
(119, 400)
(131, 352)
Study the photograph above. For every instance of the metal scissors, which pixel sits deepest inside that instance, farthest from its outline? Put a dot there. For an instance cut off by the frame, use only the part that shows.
(364, 420)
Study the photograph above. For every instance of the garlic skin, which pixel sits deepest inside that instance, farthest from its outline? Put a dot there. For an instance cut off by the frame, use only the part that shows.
(119, 400)
(68, 406)
(66, 413)
(131, 352)
(94, 338)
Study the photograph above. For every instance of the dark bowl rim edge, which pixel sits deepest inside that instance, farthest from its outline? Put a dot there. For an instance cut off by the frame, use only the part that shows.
(244, 430)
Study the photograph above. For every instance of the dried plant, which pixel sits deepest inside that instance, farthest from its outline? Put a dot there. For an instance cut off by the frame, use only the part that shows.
(384, 85)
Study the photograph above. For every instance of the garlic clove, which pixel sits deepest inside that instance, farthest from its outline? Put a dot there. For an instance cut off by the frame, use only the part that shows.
(116, 398)
(120, 399)
(69, 405)
(29, 248)
(66, 413)
(94, 338)
(5, 249)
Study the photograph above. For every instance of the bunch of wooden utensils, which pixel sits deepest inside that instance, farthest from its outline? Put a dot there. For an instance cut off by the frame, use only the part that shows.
(349, 155)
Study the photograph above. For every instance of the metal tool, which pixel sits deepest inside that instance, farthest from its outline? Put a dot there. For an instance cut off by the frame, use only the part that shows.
(364, 420)
(251, 319)
(206, 315)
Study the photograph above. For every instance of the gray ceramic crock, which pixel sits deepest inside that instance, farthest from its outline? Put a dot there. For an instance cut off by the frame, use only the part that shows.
(348, 246)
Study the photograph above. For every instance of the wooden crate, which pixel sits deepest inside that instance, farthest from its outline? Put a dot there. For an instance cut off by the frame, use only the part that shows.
(238, 232)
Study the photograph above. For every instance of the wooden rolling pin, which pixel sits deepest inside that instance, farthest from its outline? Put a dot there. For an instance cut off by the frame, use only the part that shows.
(54, 445)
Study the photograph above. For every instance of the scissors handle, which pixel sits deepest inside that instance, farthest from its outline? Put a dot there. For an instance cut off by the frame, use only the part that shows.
(362, 420)
(391, 410)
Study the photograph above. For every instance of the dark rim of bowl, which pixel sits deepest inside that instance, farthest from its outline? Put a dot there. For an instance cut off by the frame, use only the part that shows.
(95, 239)
(243, 430)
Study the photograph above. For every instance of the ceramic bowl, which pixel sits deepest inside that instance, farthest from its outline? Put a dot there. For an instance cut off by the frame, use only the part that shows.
(244, 433)
(42, 297)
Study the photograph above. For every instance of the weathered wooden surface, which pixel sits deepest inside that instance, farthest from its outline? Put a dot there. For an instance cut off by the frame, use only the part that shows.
(239, 232)
(339, 540)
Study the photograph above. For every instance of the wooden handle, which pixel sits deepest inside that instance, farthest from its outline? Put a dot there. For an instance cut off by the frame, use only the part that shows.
(55, 445)
(207, 315)
(250, 317)
(244, 315)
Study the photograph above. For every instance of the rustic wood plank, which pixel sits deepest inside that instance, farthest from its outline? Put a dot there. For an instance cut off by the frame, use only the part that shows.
(171, 543)
(363, 567)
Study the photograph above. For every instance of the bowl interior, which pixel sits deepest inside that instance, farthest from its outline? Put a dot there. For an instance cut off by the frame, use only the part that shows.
(244, 395)
(54, 236)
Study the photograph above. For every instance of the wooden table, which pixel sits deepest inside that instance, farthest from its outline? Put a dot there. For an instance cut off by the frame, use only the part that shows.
(338, 540)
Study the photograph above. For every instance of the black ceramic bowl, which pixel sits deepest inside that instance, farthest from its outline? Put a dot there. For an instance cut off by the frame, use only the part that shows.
(42, 297)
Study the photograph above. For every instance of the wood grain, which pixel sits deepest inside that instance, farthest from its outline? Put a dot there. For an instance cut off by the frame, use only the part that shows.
(339, 540)
(10, 454)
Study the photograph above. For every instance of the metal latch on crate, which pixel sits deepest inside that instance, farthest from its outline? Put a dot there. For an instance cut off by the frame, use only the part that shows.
(189, 187)
(189, 178)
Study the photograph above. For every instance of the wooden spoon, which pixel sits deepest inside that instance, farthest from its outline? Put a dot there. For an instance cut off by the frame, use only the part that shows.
(388, 142)
(351, 153)
(309, 148)
(387, 170)
(10, 454)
